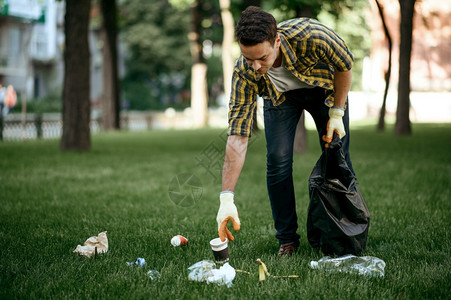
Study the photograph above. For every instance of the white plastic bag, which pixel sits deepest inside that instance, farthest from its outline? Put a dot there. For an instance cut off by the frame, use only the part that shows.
(205, 271)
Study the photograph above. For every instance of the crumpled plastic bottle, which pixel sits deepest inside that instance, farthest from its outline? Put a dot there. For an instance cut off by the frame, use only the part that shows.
(154, 275)
(140, 262)
(362, 265)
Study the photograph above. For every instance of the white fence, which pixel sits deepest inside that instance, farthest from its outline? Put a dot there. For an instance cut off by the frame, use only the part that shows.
(50, 125)
(425, 107)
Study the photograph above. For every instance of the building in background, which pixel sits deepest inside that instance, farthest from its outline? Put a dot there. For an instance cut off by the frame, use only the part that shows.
(29, 50)
(431, 54)
(32, 48)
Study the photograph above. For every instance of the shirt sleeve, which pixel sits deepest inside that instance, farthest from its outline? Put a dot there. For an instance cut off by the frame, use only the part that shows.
(241, 106)
(331, 49)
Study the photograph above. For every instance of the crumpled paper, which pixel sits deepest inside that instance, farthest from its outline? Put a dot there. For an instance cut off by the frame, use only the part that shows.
(204, 271)
(89, 248)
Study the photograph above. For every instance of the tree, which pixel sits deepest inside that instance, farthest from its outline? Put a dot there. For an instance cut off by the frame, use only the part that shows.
(111, 84)
(381, 122)
(158, 62)
(76, 88)
(301, 8)
(227, 41)
(243, 5)
(199, 94)
(402, 125)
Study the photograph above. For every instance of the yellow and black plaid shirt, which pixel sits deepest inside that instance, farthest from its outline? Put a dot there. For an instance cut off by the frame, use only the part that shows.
(311, 52)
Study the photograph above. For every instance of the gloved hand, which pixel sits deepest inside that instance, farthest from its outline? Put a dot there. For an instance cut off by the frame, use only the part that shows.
(227, 211)
(335, 123)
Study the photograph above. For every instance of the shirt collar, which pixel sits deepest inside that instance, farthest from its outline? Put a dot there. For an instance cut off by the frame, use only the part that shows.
(287, 51)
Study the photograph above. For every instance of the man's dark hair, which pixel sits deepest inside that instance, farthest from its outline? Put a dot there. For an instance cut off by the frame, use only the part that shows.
(255, 26)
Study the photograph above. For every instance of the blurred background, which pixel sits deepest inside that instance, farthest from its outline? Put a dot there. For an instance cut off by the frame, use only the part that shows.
(166, 64)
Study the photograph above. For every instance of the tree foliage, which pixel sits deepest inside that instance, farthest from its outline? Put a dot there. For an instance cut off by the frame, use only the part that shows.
(159, 62)
(158, 59)
(156, 34)
(348, 19)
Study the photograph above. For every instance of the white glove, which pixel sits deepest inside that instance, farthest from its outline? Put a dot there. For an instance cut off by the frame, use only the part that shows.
(227, 211)
(335, 123)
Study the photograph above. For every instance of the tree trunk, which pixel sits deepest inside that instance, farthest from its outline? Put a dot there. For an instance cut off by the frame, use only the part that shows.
(199, 94)
(381, 122)
(304, 11)
(402, 125)
(255, 120)
(300, 138)
(1, 120)
(227, 43)
(243, 5)
(111, 84)
(76, 90)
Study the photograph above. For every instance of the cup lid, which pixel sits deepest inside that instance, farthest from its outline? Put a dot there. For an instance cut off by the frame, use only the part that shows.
(218, 245)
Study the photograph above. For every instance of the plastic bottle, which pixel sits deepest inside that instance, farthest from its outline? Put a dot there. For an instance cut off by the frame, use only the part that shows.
(154, 275)
(362, 265)
(140, 262)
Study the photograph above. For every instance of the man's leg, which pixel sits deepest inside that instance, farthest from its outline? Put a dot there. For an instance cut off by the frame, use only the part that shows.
(280, 129)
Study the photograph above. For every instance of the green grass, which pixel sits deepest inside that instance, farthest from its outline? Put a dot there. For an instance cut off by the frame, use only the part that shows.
(51, 201)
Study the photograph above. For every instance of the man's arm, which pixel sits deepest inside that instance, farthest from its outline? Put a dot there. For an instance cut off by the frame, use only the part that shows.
(235, 155)
(241, 108)
(233, 164)
(342, 85)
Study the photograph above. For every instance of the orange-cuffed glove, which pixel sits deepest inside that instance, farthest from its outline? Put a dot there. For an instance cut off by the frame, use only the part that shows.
(335, 123)
(227, 211)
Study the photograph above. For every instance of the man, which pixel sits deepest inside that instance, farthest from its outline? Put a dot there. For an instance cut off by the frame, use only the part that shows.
(2, 99)
(299, 64)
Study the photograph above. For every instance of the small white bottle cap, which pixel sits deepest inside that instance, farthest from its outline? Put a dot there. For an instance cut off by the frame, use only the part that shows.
(175, 241)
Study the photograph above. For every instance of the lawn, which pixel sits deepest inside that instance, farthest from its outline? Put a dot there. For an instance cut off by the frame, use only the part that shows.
(51, 201)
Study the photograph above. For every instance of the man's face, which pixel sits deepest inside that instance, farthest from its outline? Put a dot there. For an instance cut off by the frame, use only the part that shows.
(261, 57)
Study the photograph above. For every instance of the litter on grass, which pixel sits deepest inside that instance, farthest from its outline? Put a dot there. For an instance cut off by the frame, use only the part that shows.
(205, 271)
(263, 272)
(140, 262)
(93, 246)
(179, 240)
(154, 275)
(362, 265)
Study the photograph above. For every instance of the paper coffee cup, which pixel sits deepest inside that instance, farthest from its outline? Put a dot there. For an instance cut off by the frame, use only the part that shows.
(220, 250)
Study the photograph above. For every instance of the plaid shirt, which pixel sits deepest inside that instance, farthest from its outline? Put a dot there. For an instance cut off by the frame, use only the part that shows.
(311, 52)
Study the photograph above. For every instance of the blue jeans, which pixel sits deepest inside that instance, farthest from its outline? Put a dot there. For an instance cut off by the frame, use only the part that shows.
(280, 129)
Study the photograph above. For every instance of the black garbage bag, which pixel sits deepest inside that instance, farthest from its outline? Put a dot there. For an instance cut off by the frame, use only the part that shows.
(338, 218)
